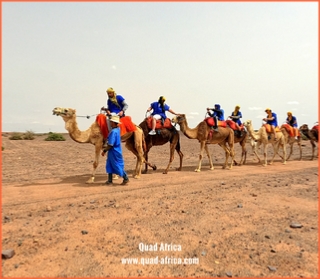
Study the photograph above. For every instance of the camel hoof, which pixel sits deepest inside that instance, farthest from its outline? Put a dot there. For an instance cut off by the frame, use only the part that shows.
(115, 177)
(90, 181)
(197, 170)
(284, 163)
(212, 168)
(136, 176)
(165, 172)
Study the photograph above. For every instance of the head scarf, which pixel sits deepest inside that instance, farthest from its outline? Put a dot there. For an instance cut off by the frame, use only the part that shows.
(161, 101)
(236, 109)
(113, 99)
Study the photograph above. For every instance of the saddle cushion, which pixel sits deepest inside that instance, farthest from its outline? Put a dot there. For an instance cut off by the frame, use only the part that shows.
(166, 124)
(316, 127)
(289, 129)
(210, 122)
(268, 128)
(125, 126)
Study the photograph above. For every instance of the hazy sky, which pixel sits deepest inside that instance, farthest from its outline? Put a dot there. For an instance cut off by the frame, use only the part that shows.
(256, 55)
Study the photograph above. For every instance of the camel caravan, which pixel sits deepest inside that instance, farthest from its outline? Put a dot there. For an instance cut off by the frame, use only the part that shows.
(139, 140)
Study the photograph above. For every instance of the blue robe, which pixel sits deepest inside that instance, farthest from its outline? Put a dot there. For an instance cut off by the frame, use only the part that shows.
(115, 163)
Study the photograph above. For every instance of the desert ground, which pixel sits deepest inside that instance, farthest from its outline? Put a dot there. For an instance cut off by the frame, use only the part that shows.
(250, 221)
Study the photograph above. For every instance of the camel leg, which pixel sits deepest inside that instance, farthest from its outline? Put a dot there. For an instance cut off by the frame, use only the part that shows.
(202, 147)
(172, 147)
(300, 148)
(284, 154)
(243, 154)
(313, 148)
(98, 148)
(265, 154)
(291, 150)
(227, 154)
(180, 155)
(254, 147)
(206, 148)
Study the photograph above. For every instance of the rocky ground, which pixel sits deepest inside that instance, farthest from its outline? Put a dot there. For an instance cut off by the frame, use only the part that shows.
(251, 221)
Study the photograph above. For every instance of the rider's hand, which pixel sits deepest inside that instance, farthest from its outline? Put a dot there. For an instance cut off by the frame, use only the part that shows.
(120, 113)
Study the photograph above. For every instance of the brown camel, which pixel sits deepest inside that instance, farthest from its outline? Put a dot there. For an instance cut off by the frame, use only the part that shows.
(162, 136)
(290, 140)
(310, 134)
(134, 140)
(224, 137)
(262, 138)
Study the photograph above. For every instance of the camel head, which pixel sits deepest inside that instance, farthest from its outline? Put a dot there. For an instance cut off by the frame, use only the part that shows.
(304, 128)
(179, 118)
(65, 113)
(247, 123)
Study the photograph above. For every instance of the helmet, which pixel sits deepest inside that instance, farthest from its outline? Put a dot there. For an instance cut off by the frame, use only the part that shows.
(217, 106)
(268, 109)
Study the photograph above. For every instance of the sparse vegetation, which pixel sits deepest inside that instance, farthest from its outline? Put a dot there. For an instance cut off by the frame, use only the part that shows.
(55, 137)
(29, 135)
(16, 136)
(2, 148)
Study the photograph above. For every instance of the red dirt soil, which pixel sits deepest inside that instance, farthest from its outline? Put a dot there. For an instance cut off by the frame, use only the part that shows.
(226, 223)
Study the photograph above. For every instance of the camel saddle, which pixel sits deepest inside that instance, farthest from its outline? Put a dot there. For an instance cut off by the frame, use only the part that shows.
(268, 128)
(316, 127)
(125, 126)
(289, 129)
(233, 126)
(159, 123)
(210, 122)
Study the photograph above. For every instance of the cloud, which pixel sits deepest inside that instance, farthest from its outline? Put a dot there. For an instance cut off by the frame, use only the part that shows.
(293, 103)
(255, 108)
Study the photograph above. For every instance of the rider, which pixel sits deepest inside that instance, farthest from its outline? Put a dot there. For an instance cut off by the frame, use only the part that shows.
(115, 105)
(218, 114)
(271, 119)
(292, 121)
(235, 116)
(159, 112)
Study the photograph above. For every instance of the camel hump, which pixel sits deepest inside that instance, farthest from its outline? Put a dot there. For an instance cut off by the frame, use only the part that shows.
(159, 123)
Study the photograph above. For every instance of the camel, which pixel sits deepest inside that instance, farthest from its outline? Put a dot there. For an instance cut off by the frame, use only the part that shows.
(311, 135)
(134, 140)
(291, 140)
(224, 137)
(262, 138)
(163, 136)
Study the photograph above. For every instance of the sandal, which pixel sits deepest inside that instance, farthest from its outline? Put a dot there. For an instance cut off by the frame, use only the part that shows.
(109, 182)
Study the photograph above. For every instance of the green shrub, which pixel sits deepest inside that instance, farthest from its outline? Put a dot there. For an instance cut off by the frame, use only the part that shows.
(29, 135)
(16, 136)
(55, 137)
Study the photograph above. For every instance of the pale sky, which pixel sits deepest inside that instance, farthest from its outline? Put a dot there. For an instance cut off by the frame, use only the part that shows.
(257, 55)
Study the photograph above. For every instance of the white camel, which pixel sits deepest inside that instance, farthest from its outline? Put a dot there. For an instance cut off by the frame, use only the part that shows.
(262, 138)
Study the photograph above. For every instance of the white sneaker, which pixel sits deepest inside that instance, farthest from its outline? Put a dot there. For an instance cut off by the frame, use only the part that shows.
(152, 133)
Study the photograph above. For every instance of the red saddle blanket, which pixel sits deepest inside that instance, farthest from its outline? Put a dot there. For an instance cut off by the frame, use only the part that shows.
(316, 127)
(268, 128)
(233, 126)
(289, 129)
(166, 124)
(125, 126)
(210, 122)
